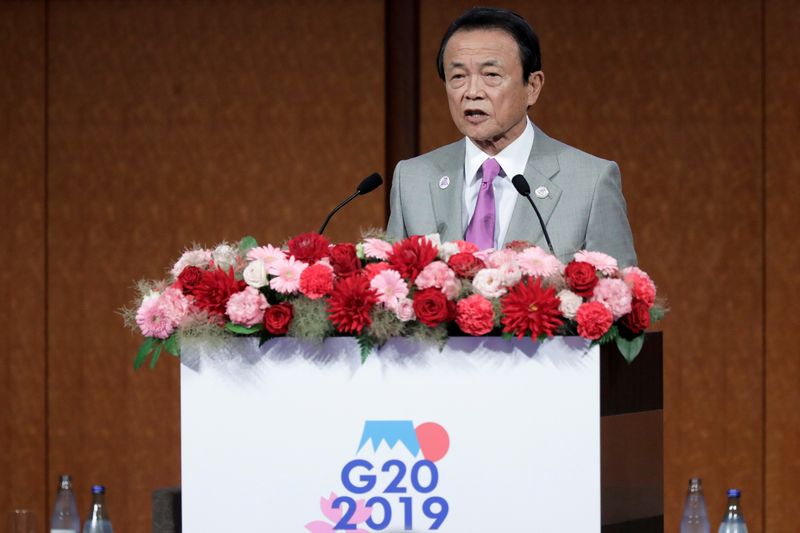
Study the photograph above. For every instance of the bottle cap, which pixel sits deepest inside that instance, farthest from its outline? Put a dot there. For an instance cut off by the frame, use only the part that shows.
(734, 493)
(98, 489)
(65, 481)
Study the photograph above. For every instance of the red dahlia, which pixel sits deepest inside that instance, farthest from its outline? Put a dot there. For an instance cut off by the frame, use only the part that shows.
(214, 289)
(351, 303)
(309, 247)
(411, 255)
(528, 308)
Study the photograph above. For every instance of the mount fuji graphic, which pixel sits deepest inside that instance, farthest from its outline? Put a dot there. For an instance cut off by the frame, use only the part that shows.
(391, 432)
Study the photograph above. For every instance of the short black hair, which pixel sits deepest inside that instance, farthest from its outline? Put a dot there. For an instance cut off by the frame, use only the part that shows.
(492, 18)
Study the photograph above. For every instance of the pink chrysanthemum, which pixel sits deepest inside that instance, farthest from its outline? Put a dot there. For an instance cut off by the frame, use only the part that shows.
(536, 262)
(269, 255)
(615, 295)
(502, 257)
(601, 262)
(287, 275)
(390, 288)
(247, 307)
(152, 320)
(377, 249)
(174, 304)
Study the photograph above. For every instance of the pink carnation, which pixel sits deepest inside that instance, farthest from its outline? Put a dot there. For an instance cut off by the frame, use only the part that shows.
(287, 275)
(641, 285)
(502, 257)
(615, 295)
(390, 288)
(475, 315)
(594, 320)
(152, 320)
(316, 281)
(377, 249)
(440, 276)
(405, 310)
(246, 307)
(198, 258)
(466, 247)
(174, 305)
(536, 262)
(600, 261)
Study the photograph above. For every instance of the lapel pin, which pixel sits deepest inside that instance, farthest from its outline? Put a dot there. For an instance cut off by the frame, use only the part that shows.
(444, 182)
(541, 192)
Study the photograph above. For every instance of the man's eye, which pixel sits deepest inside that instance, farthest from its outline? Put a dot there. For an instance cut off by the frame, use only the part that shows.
(456, 76)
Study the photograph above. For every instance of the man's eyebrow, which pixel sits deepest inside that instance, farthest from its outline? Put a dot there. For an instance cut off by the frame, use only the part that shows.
(487, 63)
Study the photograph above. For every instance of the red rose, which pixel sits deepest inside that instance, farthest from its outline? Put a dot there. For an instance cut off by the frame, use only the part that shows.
(475, 315)
(411, 255)
(278, 317)
(309, 247)
(465, 265)
(432, 307)
(350, 304)
(344, 260)
(189, 278)
(529, 308)
(214, 289)
(581, 278)
(594, 319)
(638, 319)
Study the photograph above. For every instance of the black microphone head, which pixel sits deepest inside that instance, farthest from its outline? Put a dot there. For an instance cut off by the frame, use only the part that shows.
(370, 183)
(521, 184)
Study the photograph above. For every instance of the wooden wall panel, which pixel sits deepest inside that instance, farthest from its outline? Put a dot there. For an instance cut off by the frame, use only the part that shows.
(672, 91)
(783, 257)
(174, 123)
(22, 247)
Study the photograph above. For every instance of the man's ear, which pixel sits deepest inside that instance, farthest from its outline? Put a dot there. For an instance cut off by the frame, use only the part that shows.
(535, 84)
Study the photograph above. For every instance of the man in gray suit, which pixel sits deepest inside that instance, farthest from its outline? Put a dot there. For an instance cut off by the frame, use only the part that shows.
(490, 63)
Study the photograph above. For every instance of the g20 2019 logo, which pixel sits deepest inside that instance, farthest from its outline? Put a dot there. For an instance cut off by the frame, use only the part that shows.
(388, 485)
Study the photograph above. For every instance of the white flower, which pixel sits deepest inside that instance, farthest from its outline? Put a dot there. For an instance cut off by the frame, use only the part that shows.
(434, 239)
(510, 273)
(488, 283)
(197, 258)
(405, 310)
(255, 274)
(448, 250)
(570, 302)
(224, 256)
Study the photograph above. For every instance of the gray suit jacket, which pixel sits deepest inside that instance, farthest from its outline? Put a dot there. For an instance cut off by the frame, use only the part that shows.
(584, 209)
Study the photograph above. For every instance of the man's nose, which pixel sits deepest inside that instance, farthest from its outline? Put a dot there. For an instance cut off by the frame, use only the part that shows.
(474, 88)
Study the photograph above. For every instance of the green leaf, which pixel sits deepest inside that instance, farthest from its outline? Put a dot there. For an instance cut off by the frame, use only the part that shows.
(507, 335)
(657, 313)
(173, 345)
(246, 244)
(144, 349)
(156, 355)
(243, 330)
(610, 335)
(630, 348)
(366, 343)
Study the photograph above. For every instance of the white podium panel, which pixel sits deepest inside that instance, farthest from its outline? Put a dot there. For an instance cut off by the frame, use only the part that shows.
(485, 436)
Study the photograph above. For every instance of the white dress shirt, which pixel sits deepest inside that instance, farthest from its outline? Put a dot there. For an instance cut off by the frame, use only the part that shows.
(512, 159)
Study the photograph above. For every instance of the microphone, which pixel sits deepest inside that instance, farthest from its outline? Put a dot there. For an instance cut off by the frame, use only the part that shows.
(521, 184)
(368, 184)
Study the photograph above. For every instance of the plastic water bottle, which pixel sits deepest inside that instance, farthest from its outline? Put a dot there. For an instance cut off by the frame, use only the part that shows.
(98, 521)
(695, 518)
(65, 518)
(733, 521)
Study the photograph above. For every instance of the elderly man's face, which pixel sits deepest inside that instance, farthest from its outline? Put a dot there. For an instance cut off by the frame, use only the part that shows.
(483, 78)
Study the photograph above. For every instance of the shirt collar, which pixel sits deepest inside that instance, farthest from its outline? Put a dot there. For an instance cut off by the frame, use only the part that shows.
(512, 159)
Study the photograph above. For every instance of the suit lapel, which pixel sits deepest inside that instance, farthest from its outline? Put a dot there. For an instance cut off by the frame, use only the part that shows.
(542, 165)
(448, 201)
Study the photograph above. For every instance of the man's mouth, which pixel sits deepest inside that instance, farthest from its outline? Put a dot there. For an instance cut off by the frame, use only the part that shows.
(475, 115)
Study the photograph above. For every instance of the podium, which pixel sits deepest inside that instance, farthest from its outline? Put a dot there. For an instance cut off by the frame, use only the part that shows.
(486, 434)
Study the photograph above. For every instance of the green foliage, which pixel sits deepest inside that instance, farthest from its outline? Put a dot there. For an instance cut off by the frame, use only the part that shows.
(630, 348)
(310, 320)
(385, 325)
(156, 355)
(366, 343)
(239, 329)
(657, 312)
(420, 332)
(246, 244)
(144, 351)
(610, 335)
(173, 345)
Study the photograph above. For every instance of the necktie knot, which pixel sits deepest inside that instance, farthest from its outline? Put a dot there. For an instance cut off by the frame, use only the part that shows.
(491, 169)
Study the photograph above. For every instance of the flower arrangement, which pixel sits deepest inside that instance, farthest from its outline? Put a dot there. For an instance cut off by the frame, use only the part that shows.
(418, 287)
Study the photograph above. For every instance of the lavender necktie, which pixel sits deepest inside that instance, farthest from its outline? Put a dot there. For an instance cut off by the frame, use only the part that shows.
(480, 230)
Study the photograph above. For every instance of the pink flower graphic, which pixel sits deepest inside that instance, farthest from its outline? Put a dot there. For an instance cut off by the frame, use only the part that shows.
(335, 515)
